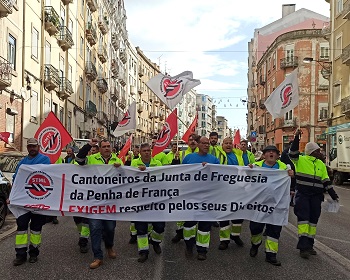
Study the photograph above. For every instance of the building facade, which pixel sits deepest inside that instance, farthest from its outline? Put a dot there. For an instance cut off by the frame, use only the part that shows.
(205, 114)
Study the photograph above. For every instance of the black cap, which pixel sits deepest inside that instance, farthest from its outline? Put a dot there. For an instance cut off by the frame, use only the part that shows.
(270, 148)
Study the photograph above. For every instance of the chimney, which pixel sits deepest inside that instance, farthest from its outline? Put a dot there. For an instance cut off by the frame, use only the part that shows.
(287, 9)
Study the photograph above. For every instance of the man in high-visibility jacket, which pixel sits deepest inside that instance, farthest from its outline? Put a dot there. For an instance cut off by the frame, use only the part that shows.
(213, 139)
(192, 236)
(248, 156)
(192, 143)
(143, 162)
(311, 181)
(160, 156)
(174, 153)
(100, 229)
(229, 156)
(273, 232)
(29, 219)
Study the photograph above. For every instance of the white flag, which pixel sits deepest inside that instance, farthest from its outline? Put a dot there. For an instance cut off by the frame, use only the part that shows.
(128, 122)
(285, 97)
(171, 89)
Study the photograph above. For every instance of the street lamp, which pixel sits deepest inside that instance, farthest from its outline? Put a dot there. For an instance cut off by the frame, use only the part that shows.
(326, 66)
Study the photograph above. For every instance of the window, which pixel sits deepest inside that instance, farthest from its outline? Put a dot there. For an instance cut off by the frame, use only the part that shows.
(61, 114)
(35, 43)
(339, 6)
(10, 127)
(337, 93)
(322, 111)
(34, 106)
(69, 122)
(288, 115)
(70, 74)
(81, 88)
(322, 82)
(54, 108)
(12, 51)
(324, 50)
(88, 93)
(274, 60)
(338, 47)
(203, 116)
(47, 52)
(289, 54)
(70, 27)
(81, 46)
(47, 106)
(61, 67)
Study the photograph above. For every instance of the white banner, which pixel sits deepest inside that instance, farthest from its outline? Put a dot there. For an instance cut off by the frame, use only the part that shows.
(168, 193)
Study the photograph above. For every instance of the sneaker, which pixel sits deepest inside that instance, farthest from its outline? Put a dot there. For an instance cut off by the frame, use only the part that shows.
(254, 250)
(33, 259)
(19, 261)
(189, 252)
(111, 253)
(272, 260)
(237, 240)
(133, 239)
(177, 238)
(312, 252)
(55, 221)
(223, 245)
(96, 264)
(202, 256)
(304, 254)
(157, 249)
(143, 257)
(84, 249)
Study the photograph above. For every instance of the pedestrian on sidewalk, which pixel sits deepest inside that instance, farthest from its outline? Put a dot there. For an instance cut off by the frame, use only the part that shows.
(29, 219)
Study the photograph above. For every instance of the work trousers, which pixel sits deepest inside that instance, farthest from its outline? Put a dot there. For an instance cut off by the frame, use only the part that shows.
(142, 235)
(83, 229)
(273, 233)
(228, 231)
(197, 233)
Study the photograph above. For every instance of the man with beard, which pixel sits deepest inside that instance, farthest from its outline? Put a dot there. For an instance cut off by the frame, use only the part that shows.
(213, 139)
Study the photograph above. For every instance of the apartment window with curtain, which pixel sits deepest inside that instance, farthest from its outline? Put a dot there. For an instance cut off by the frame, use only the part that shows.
(61, 116)
(81, 88)
(289, 53)
(324, 51)
(339, 7)
(338, 46)
(337, 93)
(35, 43)
(10, 127)
(34, 106)
(12, 51)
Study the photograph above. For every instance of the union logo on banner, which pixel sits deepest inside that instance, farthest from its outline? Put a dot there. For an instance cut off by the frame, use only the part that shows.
(38, 185)
(286, 95)
(171, 88)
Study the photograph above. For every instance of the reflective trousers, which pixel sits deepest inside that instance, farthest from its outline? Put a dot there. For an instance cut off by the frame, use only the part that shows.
(228, 231)
(83, 229)
(142, 235)
(35, 222)
(197, 233)
(307, 208)
(273, 233)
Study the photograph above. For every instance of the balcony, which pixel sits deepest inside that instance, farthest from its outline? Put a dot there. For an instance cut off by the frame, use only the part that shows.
(140, 89)
(346, 10)
(91, 108)
(262, 80)
(90, 71)
(141, 72)
(290, 61)
(90, 33)
(122, 55)
(6, 7)
(51, 77)
(103, 24)
(345, 56)
(64, 38)
(5, 73)
(52, 21)
(101, 117)
(115, 68)
(102, 85)
(140, 108)
(92, 5)
(102, 54)
(161, 116)
(115, 94)
(345, 105)
(66, 2)
(290, 123)
(65, 89)
(326, 30)
(115, 41)
(151, 115)
(122, 78)
(122, 103)
(132, 90)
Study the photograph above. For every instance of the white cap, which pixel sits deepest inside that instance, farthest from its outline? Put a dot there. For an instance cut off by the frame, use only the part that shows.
(311, 147)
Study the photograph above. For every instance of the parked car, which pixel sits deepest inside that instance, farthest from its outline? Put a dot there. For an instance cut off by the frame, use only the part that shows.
(5, 188)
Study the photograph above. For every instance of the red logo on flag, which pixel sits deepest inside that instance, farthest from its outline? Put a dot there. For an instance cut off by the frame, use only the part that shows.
(125, 121)
(171, 88)
(52, 137)
(168, 132)
(286, 94)
(39, 185)
(191, 129)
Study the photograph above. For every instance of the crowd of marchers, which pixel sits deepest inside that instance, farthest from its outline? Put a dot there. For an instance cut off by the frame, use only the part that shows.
(309, 182)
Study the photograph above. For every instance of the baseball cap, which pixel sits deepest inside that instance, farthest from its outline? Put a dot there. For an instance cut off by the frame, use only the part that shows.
(32, 141)
(271, 148)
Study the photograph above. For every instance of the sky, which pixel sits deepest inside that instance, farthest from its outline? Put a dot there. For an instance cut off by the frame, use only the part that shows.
(209, 38)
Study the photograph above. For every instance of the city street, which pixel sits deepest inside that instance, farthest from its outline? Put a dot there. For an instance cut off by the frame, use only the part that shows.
(60, 257)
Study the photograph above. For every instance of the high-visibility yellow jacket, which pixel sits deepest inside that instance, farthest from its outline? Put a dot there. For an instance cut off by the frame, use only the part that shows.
(281, 165)
(222, 156)
(138, 162)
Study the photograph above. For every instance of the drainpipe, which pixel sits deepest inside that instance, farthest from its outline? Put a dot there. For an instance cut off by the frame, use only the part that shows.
(23, 72)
